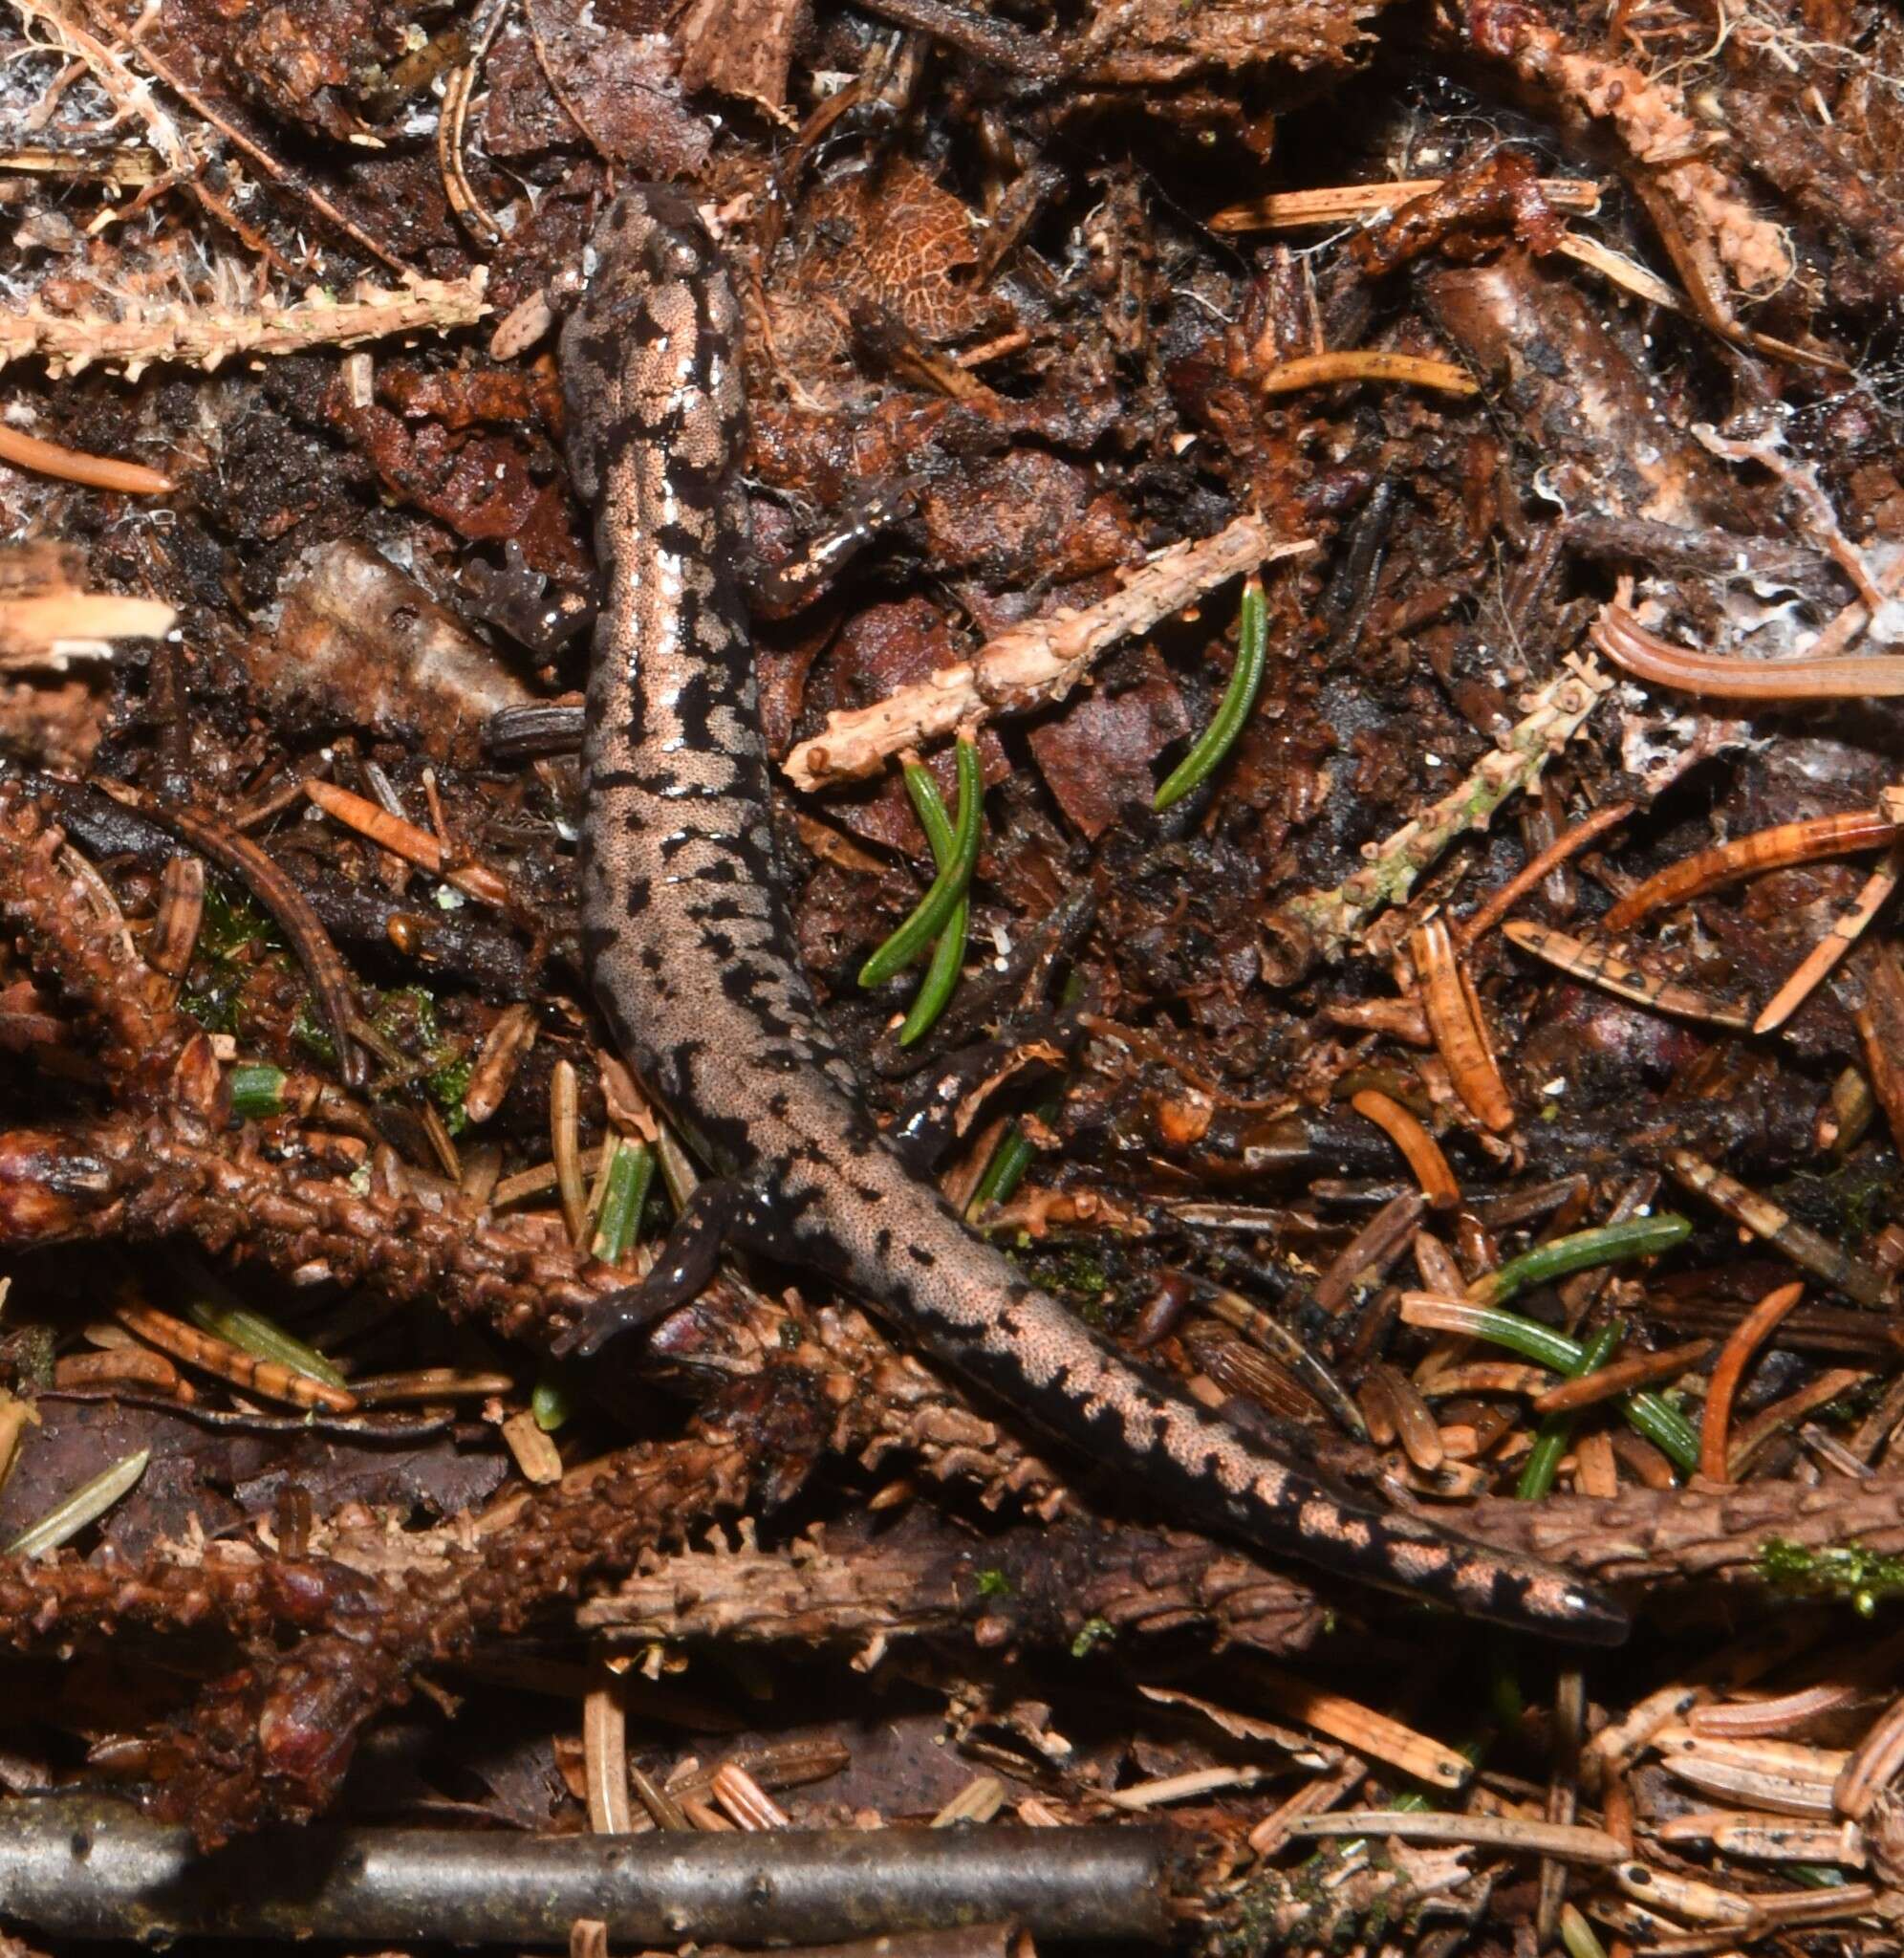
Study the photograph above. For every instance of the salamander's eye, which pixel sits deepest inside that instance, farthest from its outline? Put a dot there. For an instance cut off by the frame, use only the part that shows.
(671, 258)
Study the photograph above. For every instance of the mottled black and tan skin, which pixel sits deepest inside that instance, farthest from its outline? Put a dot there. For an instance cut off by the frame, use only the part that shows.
(690, 956)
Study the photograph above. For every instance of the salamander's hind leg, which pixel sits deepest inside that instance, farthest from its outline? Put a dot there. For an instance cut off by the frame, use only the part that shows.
(946, 1099)
(722, 1214)
(937, 1105)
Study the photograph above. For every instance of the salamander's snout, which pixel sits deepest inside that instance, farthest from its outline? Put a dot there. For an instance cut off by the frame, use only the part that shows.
(1532, 1597)
(1410, 1553)
(1590, 1616)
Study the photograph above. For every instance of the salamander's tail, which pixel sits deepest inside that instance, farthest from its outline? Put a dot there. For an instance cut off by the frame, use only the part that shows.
(968, 1307)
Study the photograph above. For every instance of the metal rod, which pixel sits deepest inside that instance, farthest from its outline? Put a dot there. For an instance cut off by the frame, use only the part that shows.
(79, 1866)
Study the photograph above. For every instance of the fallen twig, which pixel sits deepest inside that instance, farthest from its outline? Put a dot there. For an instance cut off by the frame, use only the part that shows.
(1034, 664)
(1321, 925)
(76, 1867)
(1040, 1583)
(205, 337)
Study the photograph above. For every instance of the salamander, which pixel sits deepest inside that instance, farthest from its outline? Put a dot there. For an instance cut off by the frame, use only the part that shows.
(688, 944)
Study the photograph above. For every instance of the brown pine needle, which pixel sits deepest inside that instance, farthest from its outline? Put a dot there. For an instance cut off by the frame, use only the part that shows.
(1775, 1717)
(1622, 1377)
(1780, 1775)
(503, 1049)
(748, 1805)
(229, 1362)
(1845, 932)
(1750, 1439)
(564, 1122)
(1684, 1896)
(605, 1753)
(1455, 1020)
(74, 465)
(1366, 363)
(1285, 210)
(1777, 848)
(1565, 845)
(428, 1383)
(545, 1176)
(1363, 1729)
(1593, 964)
(1764, 1218)
(1570, 1841)
(405, 840)
(1396, 1408)
(1750, 1334)
(1875, 1763)
(1422, 1154)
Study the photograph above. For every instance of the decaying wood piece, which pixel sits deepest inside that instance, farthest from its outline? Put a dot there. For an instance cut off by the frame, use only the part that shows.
(740, 47)
(1033, 1583)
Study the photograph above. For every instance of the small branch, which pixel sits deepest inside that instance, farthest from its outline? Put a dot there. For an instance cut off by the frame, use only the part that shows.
(131, 1180)
(1649, 119)
(206, 338)
(1023, 1585)
(179, 73)
(74, 1866)
(1322, 924)
(273, 1741)
(1037, 663)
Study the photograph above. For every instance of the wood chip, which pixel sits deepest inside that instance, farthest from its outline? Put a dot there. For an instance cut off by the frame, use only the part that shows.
(1038, 661)
(535, 1452)
(1361, 1727)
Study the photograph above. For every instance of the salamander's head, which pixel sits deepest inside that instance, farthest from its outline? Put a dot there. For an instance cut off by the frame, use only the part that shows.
(649, 355)
(650, 235)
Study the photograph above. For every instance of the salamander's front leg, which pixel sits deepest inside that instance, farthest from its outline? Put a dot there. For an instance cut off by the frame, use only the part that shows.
(721, 1214)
